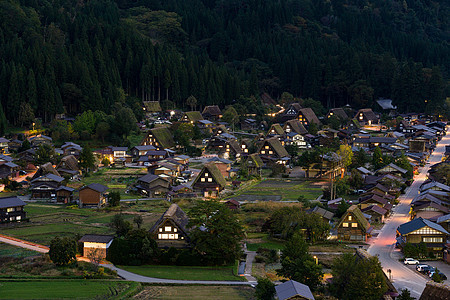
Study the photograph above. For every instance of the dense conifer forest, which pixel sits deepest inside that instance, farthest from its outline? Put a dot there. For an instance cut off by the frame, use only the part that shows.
(70, 56)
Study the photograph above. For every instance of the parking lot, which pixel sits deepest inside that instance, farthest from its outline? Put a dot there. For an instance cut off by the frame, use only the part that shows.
(440, 265)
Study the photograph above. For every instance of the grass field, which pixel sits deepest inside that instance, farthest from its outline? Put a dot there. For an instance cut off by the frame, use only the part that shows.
(196, 292)
(288, 189)
(12, 251)
(62, 289)
(262, 240)
(186, 272)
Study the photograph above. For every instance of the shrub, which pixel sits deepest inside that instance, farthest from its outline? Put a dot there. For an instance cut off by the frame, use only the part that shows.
(260, 259)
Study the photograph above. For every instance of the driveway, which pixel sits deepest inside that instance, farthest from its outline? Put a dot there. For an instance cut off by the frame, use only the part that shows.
(383, 245)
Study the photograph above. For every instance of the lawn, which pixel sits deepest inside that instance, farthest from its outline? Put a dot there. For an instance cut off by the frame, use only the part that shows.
(288, 189)
(186, 272)
(262, 240)
(43, 234)
(196, 292)
(7, 250)
(61, 289)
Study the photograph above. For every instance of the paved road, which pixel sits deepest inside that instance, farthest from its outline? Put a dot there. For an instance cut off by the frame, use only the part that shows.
(383, 244)
(139, 278)
(122, 273)
(24, 244)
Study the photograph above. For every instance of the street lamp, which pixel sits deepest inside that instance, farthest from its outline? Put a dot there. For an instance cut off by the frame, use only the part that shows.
(316, 259)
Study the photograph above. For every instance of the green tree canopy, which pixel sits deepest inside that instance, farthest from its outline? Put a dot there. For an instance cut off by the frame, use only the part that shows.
(215, 232)
(62, 251)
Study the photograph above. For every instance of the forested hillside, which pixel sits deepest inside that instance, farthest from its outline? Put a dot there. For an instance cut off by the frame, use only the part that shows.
(90, 54)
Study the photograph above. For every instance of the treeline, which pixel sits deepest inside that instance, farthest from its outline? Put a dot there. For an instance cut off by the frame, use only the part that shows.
(340, 51)
(78, 55)
(57, 54)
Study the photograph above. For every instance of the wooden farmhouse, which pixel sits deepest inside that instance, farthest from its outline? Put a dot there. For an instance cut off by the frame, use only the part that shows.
(293, 290)
(366, 117)
(209, 181)
(307, 116)
(93, 195)
(9, 170)
(353, 226)
(170, 229)
(212, 113)
(254, 164)
(138, 151)
(422, 230)
(191, 117)
(338, 113)
(68, 166)
(292, 111)
(153, 185)
(44, 187)
(4, 145)
(430, 211)
(70, 148)
(40, 139)
(271, 150)
(64, 194)
(11, 210)
(294, 126)
(96, 245)
(160, 138)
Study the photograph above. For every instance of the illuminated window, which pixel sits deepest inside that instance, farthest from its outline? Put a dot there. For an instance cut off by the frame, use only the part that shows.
(354, 225)
(432, 240)
(349, 218)
(209, 179)
(266, 147)
(167, 228)
(206, 174)
(344, 224)
(202, 179)
(160, 229)
(175, 229)
(270, 152)
(263, 152)
(246, 150)
(10, 209)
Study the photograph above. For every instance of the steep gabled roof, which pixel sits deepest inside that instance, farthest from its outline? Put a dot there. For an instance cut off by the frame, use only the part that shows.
(214, 171)
(174, 213)
(152, 106)
(256, 160)
(194, 116)
(212, 110)
(277, 128)
(45, 169)
(339, 113)
(417, 224)
(293, 288)
(435, 291)
(277, 147)
(163, 136)
(355, 211)
(368, 113)
(309, 114)
(296, 126)
(69, 162)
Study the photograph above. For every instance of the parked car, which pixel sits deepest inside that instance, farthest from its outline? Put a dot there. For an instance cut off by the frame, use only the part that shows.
(421, 268)
(411, 261)
(182, 180)
(440, 274)
(428, 270)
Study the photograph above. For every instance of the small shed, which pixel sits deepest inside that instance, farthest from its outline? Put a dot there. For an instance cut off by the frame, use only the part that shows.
(96, 242)
(233, 204)
(293, 290)
(93, 194)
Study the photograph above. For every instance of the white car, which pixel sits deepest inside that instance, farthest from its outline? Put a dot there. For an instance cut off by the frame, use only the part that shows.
(411, 261)
(182, 180)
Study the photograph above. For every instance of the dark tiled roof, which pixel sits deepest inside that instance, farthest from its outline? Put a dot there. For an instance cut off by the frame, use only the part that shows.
(375, 208)
(144, 147)
(6, 202)
(293, 288)
(417, 224)
(322, 212)
(96, 238)
(148, 178)
(96, 187)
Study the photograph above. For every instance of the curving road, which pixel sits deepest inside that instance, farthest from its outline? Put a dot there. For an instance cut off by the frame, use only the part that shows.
(383, 245)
